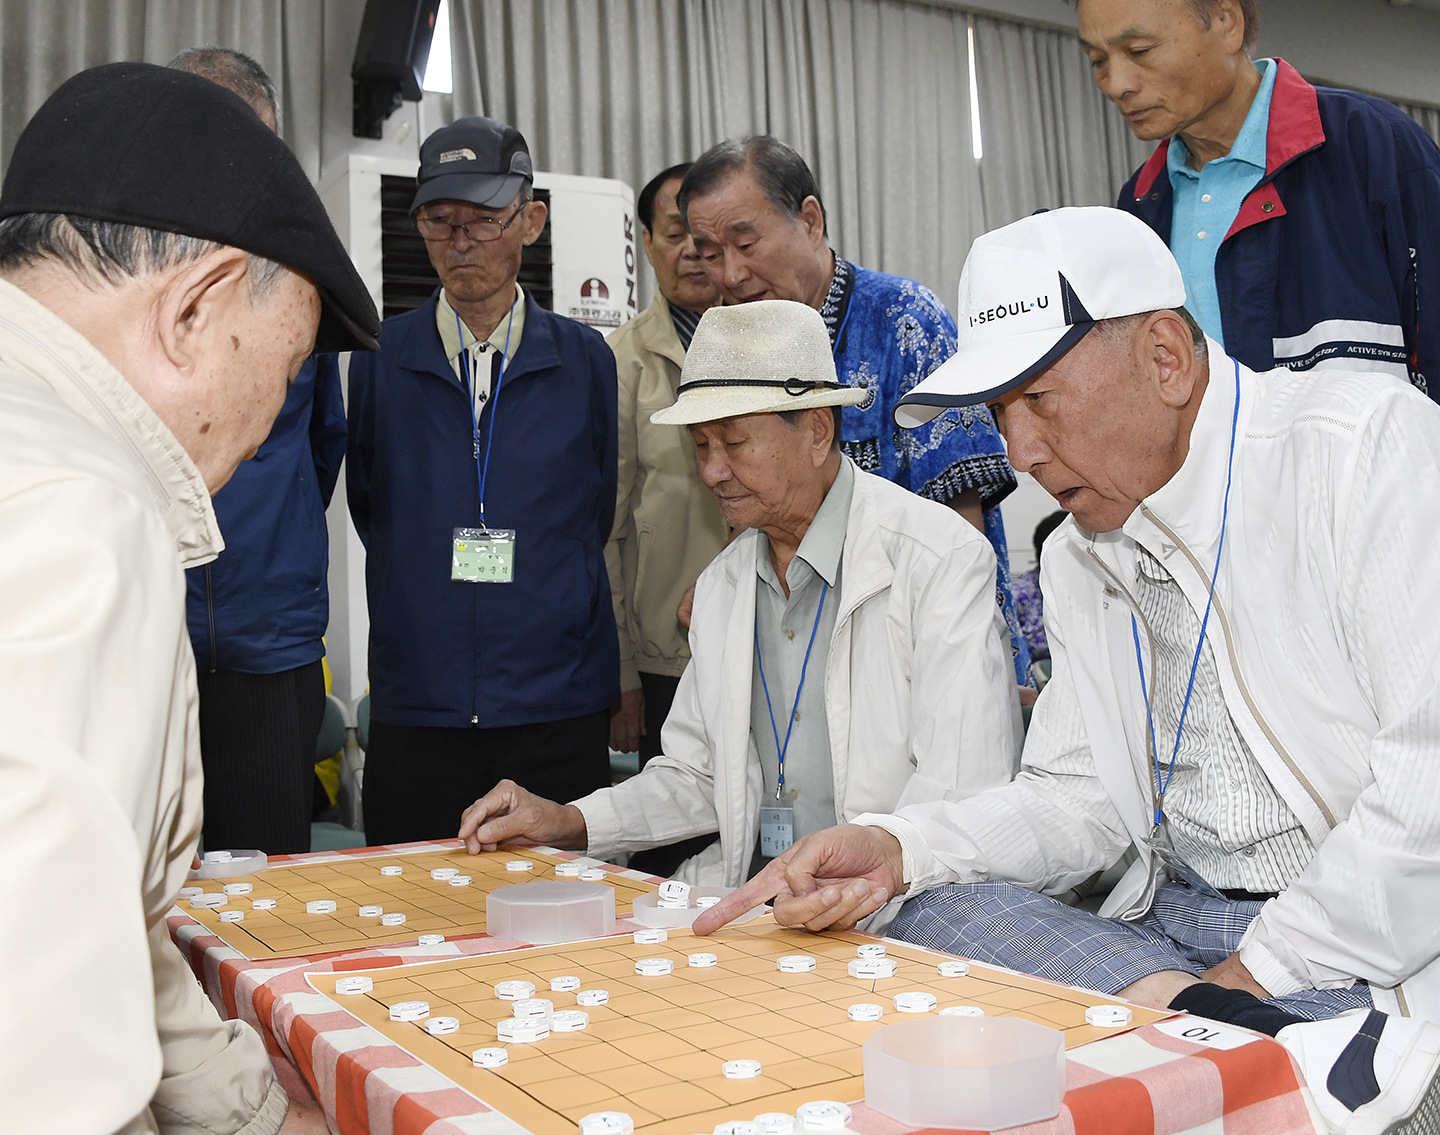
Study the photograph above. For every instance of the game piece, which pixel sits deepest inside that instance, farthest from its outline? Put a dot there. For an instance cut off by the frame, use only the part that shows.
(866, 1011)
(444, 872)
(569, 1020)
(207, 902)
(705, 901)
(532, 1007)
(218, 857)
(737, 1127)
(1107, 1016)
(593, 874)
(953, 969)
(823, 1115)
(392, 869)
(564, 984)
(607, 1123)
(262, 904)
(775, 1123)
(518, 865)
(592, 997)
(871, 969)
(353, 985)
(514, 990)
(916, 1001)
(672, 904)
(740, 1069)
(459, 880)
(796, 963)
(870, 950)
(675, 891)
(490, 1058)
(371, 911)
(394, 919)
(523, 1030)
(442, 1026)
(409, 1010)
(962, 1011)
(550, 912)
(191, 892)
(231, 915)
(654, 967)
(238, 888)
(320, 906)
(702, 961)
(650, 937)
(568, 870)
(430, 940)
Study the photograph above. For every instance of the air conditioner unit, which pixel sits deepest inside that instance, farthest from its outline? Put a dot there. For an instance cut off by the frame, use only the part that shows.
(583, 265)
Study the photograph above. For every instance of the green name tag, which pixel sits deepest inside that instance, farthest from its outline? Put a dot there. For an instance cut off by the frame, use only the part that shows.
(483, 555)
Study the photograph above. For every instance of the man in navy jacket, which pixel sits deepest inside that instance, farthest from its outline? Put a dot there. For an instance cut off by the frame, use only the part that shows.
(481, 478)
(1304, 219)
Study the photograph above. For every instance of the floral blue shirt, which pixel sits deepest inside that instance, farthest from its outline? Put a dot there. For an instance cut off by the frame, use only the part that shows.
(888, 333)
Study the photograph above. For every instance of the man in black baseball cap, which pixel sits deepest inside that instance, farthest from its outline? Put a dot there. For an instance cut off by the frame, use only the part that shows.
(164, 269)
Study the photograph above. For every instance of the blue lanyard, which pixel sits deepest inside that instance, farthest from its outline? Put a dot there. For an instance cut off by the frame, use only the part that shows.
(779, 748)
(482, 470)
(1163, 784)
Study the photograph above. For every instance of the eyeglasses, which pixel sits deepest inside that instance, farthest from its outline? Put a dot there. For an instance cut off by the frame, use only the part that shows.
(482, 229)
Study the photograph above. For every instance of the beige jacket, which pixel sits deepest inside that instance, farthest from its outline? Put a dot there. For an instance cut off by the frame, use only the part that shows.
(105, 1028)
(668, 525)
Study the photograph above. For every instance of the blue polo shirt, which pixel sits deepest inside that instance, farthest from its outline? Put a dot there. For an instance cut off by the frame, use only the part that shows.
(1208, 200)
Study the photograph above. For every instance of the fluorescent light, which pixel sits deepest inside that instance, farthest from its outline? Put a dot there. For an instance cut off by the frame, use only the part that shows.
(975, 141)
(437, 67)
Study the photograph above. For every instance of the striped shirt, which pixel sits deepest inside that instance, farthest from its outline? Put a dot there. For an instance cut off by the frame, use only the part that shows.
(1226, 819)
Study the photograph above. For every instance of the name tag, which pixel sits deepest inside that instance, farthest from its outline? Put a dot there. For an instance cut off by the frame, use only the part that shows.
(777, 831)
(483, 555)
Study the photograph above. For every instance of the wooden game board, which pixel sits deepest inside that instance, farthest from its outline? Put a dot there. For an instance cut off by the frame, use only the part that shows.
(655, 1050)
(430, 906)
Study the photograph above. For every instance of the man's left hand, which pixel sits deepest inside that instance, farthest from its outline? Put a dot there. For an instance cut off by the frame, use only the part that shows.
(1232, 974)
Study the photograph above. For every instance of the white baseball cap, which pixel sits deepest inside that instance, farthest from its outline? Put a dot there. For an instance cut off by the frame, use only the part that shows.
(1031, 290)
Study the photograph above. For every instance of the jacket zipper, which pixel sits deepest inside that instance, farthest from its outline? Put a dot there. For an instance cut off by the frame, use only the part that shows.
(1240, 678)
(210, 614)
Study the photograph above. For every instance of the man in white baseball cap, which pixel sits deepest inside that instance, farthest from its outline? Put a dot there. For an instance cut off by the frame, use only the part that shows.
(847, 652)
(1235, 707)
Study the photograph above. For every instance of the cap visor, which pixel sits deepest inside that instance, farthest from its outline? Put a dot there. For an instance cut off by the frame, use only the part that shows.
(980, 372)
(339, 332)
(488, 191)
(713, 404)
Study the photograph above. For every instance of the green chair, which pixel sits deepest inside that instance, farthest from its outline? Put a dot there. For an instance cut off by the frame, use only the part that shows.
(332, 729)
(362, 723)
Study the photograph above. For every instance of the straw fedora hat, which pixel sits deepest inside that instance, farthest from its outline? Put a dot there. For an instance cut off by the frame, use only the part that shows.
(757, 358)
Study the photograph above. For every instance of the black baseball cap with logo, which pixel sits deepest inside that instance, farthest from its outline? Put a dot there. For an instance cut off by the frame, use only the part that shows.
(475, 160)
(144, 145)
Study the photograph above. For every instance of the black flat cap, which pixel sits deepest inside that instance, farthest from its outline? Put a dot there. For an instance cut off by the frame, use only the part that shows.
(162, 149)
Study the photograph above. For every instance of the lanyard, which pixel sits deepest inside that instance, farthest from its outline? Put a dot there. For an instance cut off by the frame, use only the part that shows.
(1163, 784)
(482, 470)
(779, 748)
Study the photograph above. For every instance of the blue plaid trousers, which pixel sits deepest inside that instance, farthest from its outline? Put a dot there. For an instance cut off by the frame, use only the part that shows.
(1004, 925)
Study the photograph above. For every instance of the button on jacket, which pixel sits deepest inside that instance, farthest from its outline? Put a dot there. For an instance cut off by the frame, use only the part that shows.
(455, 654)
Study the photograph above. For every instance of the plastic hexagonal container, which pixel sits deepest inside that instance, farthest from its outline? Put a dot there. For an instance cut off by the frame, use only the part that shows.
(546, 913)
(974, 1073)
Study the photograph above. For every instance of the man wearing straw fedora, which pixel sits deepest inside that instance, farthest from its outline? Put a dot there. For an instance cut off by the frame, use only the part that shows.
(846, 650)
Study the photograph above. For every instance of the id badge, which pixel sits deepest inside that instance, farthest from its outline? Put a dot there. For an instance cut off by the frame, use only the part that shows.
(483, 555)
(777, 831)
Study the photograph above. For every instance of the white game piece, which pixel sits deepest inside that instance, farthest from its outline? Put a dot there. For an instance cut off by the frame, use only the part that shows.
(870, 950)
(702, 961)
(871, 969)
(490, 1058)
(392, 869)
(962, 1011)
(569, 1020)
(353, 985)
(675, 890)
(444, 872)
(218, 857)
(1107, 1016)
(775, 1123)
(523, 1030)
(607, 1123)
(823, 1115)
(430, 940)
(568, 870)
(231, 915)
(394, 919)
(740, 1069)
(442, 1026)
(737, 1127)
(593, 874)
(262, 904)
(238, 888)
(705, 901)
(866, 1011)
(953, 969)
(654, 967)
(796, 963)
(191, 892)
(371, 911)
(515, 990)
(207, 902)
(459, 880)
(564, 984)
(532, 1007)
(916, 1001)
(592, 997)
(518, 865)
(650, 936)
(320, 906)
(409, 1010)
(672, 904)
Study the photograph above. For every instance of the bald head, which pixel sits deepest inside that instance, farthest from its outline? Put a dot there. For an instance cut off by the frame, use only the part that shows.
(236, 72)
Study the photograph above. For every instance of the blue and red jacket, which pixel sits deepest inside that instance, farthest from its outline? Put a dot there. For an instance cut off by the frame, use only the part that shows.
(1334, 258)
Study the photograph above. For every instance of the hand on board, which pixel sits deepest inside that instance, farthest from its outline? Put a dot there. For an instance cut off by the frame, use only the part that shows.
(510, 814)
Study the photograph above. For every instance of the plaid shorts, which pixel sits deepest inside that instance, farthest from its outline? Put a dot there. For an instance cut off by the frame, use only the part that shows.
(1004, 925)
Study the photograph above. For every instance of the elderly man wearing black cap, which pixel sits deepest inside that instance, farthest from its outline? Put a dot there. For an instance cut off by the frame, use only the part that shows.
(164, 265)
(481, 476)
(1234, 703)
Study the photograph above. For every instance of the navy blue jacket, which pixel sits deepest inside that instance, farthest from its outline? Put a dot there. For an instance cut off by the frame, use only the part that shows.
(455, 654)
(1334, 258)
(262, 606)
